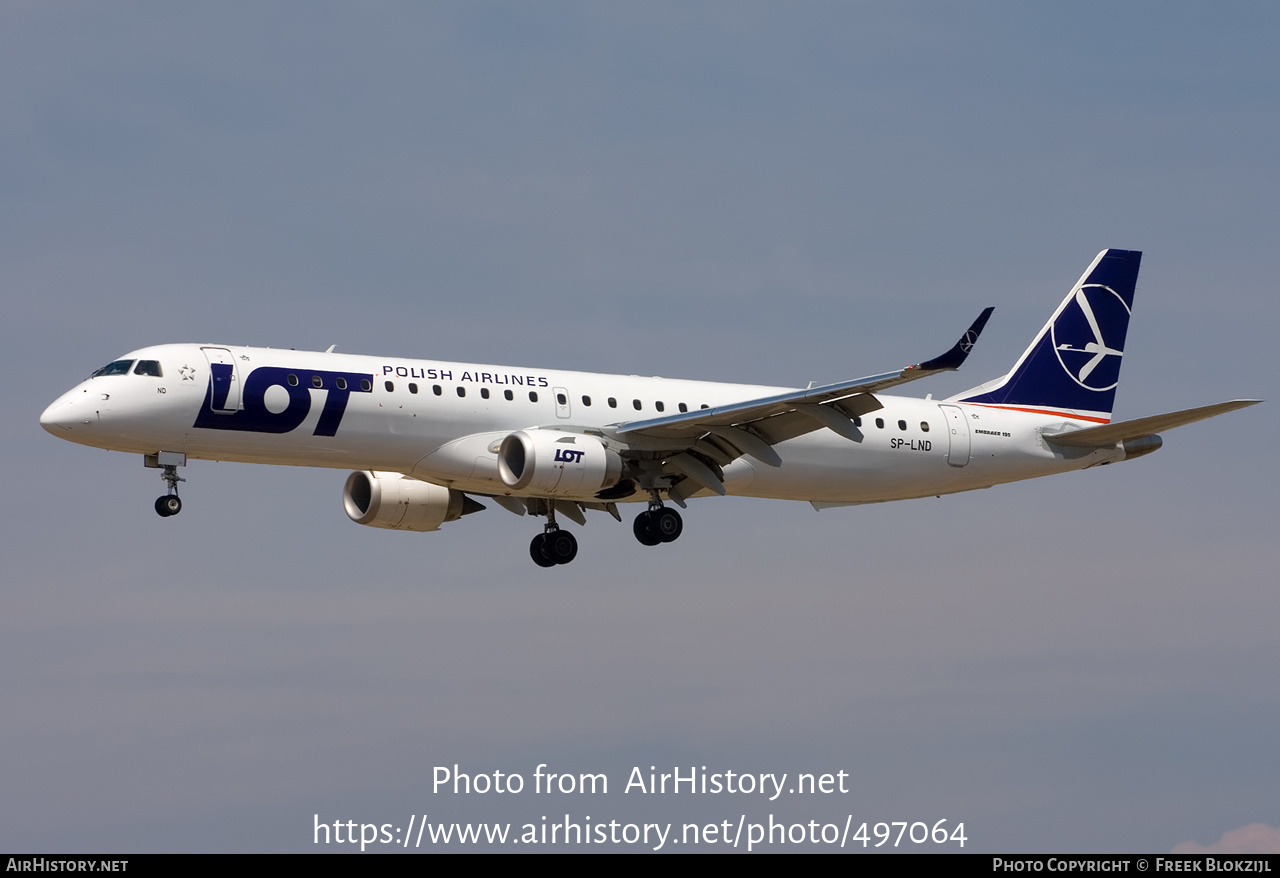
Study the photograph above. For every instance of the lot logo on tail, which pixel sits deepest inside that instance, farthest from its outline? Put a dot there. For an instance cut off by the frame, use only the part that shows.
(1073, 365)
(1080, 342)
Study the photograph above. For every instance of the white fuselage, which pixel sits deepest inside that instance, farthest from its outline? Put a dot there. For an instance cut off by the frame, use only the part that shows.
(442, 422)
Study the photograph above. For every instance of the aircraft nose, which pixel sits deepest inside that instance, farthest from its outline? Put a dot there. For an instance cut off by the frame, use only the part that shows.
(60, 417)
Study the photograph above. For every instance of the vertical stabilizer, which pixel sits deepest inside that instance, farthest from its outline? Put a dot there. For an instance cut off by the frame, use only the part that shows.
(1073, 365)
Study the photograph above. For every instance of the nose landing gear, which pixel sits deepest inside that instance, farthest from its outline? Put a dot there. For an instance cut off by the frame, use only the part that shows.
(170, 503)
(168, 462)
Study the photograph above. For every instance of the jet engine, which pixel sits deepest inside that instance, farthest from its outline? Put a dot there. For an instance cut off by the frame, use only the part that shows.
(556, 464)
(393, 501)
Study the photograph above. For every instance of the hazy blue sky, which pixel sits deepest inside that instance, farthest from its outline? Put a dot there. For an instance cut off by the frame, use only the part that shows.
(771, 193)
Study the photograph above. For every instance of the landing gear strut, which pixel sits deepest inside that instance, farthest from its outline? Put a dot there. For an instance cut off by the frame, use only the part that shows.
(170, 503)
(553, 546)
(659, 524)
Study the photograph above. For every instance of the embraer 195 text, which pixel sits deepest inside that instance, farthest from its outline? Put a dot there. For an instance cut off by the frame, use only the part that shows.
(428, 437)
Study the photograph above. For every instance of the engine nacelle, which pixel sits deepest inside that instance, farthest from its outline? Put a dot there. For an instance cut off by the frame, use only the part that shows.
(557, 464)
(390, 500)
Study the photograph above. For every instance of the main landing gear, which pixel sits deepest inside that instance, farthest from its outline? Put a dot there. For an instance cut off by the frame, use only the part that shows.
(553, 546)
(170, 503)
(658, 524)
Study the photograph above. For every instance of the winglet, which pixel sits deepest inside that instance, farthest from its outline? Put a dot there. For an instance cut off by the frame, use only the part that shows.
(952, 359)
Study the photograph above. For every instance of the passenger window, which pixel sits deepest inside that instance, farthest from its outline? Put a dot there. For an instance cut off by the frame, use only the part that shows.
(462, 391)
(341, 384)
(705, 406)
(659, 406)
(148, 367)
(561, 399)
(613, 403)
(902, 425)
(413, 388)
(435, 388)
(857, 421)
(533, 396)
(508, 394)
(366, 385)
(636, 403)
(683, 407)
(390, 387)
(924, 426)
(880, 423)
(293, 380)
(317, 381)
(586, 400)
(484, 393)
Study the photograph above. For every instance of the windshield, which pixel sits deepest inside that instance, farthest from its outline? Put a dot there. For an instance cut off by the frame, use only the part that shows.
(119, 367)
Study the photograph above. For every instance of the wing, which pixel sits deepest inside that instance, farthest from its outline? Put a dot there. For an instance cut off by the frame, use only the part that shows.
(1123, 431)
(754, 426)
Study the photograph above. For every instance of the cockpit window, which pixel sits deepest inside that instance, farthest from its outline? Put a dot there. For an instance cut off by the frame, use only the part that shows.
(119, 367)
(148, 367)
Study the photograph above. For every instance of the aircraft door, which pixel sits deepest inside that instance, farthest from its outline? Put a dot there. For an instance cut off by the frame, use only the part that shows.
(225, 398)
(958, 435)
(562, 402)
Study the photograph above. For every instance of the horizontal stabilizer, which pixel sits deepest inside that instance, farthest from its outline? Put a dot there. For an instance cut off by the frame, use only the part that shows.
(1110, 434)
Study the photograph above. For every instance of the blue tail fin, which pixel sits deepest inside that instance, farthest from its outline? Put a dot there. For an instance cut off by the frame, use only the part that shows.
(1073, 365)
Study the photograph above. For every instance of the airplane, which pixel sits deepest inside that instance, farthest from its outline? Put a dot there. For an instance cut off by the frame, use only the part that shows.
(429, 440)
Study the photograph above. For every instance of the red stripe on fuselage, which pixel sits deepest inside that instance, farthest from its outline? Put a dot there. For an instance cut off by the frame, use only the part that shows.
(1014, 408)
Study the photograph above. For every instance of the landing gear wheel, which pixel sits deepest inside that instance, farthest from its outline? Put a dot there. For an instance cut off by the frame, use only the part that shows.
(538, 551)
(643, 530)
(168, 505)
(561, 545)
(666, 524)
